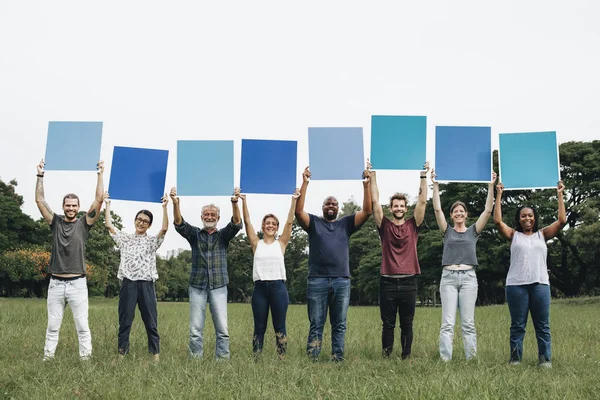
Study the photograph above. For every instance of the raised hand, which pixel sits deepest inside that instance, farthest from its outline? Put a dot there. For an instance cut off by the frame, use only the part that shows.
(236, 194)
(296, 194)
(106, 198)
(561, 187)
(500, 188)
(40, 167)
(173, 195)
(100, 167)
(433, 176)
(242, 197)
(306, 174)
(494, 176)
(425, 169)
(164, 200)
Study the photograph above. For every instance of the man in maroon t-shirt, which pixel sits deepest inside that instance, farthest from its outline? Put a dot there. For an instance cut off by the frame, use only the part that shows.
(399, 264)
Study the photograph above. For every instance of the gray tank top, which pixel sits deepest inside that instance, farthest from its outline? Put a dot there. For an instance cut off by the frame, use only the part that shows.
(459, 247)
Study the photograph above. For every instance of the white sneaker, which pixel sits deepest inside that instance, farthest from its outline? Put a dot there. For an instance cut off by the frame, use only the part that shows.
(545, 364)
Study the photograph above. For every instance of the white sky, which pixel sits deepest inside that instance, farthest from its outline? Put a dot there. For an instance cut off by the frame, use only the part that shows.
(156, 72)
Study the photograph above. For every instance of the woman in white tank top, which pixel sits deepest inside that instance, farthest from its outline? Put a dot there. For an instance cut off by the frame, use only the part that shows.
(268, 274)
(527, 282)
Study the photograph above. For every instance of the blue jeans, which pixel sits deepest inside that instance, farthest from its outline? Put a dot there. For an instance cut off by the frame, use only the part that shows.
(271, 294)
(322, 293)
(458, 289)
(217, 299)
(522, 299)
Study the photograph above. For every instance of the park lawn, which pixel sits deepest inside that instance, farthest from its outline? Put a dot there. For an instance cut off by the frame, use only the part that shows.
(364, 374)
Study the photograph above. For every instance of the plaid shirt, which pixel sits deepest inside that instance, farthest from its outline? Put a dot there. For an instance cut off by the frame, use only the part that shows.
(209, 254)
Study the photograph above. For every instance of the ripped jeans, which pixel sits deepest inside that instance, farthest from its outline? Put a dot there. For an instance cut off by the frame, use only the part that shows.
(273, 295)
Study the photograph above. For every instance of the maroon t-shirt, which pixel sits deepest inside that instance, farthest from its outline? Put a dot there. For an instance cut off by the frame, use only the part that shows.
(399, 247)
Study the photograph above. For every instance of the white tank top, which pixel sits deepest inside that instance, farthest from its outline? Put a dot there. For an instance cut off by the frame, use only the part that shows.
(268, 262)
(528, 260)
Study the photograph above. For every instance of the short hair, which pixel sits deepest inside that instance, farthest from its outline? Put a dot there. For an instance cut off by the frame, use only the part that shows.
(146, 213)
(398, 196)
(211, 205)
(456, 204)
(331, 197)
(71, 196)
(270, 216)
(518, 227)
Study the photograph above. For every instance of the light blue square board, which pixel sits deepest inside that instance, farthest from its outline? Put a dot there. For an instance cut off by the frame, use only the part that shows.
(205, 167)
(529, 160)
(73, 146)
(398, 142)
(336, 153)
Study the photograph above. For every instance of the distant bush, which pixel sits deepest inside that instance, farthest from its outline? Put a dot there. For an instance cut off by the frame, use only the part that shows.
(24, 273)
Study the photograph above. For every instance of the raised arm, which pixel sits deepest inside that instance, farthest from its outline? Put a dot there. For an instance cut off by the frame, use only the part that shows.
(301, 215)
(39, 194)
(367, 209)
(422, 201)
(165, 219)
(505, 231)
(553, 229)
(489, 204)
(377, 209)
(107, 218)
(284, 239)
(94, 212)
(237, 218)
(437, 204)
(250, 232)
(177, 220)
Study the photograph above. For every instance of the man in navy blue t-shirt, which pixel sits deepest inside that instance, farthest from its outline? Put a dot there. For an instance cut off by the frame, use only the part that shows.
(328, 266)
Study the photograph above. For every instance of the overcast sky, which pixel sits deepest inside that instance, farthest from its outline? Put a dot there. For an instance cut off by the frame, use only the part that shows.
(156, 71)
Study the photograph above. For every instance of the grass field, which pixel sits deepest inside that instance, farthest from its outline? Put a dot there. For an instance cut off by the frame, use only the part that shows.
(364, 374)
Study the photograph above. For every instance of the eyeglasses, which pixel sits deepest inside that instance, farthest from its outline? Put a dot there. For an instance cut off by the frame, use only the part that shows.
(142, 221)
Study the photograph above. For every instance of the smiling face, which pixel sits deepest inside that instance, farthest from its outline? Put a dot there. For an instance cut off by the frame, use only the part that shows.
(70, 208)
(458, 214)
(142, 223)
(210, 217)
(330, 208)
(270, 226)
(527, 220)
(398, 208)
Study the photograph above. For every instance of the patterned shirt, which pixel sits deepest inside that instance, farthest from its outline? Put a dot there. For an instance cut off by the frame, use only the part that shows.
(138, 256)
(209, 254)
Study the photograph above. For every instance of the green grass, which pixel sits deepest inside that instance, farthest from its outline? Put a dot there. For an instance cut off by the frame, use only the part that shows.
(364, 374)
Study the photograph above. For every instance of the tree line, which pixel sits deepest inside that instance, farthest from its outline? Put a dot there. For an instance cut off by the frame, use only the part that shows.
(573, 256)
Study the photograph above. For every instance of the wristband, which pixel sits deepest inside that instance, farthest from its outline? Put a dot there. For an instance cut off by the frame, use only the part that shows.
(234, 201)
(423, 176)
(40, 175)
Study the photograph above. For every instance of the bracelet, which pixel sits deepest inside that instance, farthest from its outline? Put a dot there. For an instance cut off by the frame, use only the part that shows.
(424, 177)
(40, 175)
(234, 201)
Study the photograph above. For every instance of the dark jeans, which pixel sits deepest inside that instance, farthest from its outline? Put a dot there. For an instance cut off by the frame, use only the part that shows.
(522, 299)
(271, 294)
(143, 294)
(323, 293)
(397, 296)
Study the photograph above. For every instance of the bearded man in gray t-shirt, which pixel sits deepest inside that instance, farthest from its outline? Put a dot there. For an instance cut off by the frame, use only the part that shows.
(67, 263)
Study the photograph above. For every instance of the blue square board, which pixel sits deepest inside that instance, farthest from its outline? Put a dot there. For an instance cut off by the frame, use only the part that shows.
(73, 146)
(529, 160)
(398, 142)
(205, 167)
(138, 174)
(268, 166)
(336, 153)
(463, 153)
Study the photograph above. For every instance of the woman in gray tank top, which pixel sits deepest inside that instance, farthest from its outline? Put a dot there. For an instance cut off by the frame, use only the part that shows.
(527, 282)
(458, 285)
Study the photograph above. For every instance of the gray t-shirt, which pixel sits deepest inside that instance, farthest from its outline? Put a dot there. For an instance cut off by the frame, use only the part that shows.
(68, 245)
(459, 247)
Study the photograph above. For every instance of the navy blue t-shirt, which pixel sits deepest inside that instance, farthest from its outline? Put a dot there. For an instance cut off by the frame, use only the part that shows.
(328, 255)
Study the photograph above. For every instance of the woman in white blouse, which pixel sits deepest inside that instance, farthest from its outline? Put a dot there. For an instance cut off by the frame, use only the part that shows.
(137, 273)
(527, 282)
(268, 273)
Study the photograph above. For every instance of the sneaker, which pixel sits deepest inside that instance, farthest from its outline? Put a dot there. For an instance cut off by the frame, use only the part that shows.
(514, 362)
(48, 358)
(545, 364)
(156, 357)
